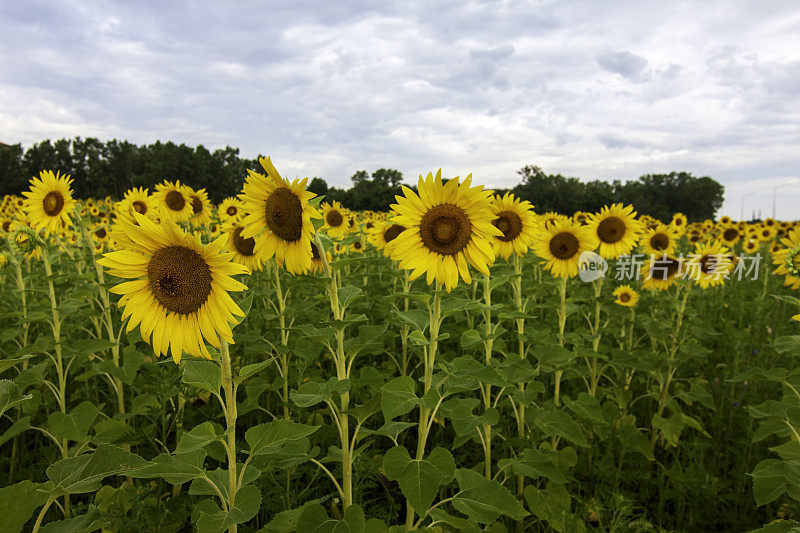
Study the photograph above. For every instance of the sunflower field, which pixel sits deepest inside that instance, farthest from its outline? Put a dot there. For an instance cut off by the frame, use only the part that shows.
(277, 363)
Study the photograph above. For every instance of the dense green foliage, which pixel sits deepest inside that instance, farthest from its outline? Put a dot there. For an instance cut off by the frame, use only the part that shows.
(110, 169)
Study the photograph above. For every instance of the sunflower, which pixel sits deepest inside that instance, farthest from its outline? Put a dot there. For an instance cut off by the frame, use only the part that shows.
(243, 249)
(178, 293)
(449, 228)
(770, 222)
(5, 225)
(659, 240)
(278, 215)
(751, 246)
(695, 237)
(679, 222)
(766, 233)
(49, 202)
(357, 247)
(383, 233)
(730, 235)
(317, 265)
(616, 229)
(786, 257)
(579, 217)
(560, 244)
(517, 222)
(201, 207)
(136, 200)
(230, 209)
(99, 233)
(173, 201)
(626, 296)
(550, 218)
(661, 272)
(709, 265)
(336, 220)
(725, 220)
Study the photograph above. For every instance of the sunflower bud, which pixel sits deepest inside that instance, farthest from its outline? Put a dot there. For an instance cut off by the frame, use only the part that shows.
(25, 240)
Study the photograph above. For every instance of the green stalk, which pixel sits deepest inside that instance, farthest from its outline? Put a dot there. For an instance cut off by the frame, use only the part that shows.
(230, 422)
(486, 389)
(284, 355)
(562, 321)
(434, 322)
(597, 285)
(24, 302)
(520, 411)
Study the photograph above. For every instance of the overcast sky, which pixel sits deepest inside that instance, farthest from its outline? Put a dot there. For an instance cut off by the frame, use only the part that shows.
(606, 89)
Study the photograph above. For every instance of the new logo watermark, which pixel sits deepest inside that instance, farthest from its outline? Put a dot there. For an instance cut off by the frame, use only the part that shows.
(591, 266)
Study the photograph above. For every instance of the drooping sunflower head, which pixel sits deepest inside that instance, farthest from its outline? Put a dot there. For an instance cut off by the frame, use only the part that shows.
(337, 220)
(709, 265)
(243, 249)
(449, 227)
(580, 218)
(560, 244)
(548, 219)
(616, 229)
(626, 296)
(517, 222)
(230, 209)
(201, 207)
(178, 293)
(278, 215)
(662, 271)
(173, 202)
(383, 233)
(49, 202)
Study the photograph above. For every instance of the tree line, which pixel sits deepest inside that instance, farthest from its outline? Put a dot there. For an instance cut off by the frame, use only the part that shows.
(109, 169)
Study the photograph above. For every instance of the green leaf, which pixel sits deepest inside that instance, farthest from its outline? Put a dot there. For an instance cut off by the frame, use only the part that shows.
(416, 318)
(348, 295)
(314, 392)
(535, 464)
(551, 504)
(5, 364)
(399, 397)
(174, 469)
(90, 346)
(86, 523)
(203, 374)
(251, 370)
(199, 437)
(314, 519)
(16, 428)
(209, 518)
(272, 436)
(75, 425)
(558, 423)
(484, 500)
(11, 395)
(84, 473)
(24, 498)
(419, 480)
(633, 439)
(771, 478)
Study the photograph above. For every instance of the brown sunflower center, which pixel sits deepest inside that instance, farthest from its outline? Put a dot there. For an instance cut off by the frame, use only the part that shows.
(445, 229)
(393, 232)
(284, 214)
(140, 207)
(369, 225)
(6, 225)
(664, 268)
(242, 245)
(315, 253)
(708, 264)
(334, 218)
(678, 222)
(197, 204)
(175, 200)
(611, 230)
(101, 233)
(659, 242)
(766, 233)
(53, 203)
(510, 224)
(730, 234)
(624, 297)
(357, 245)
(564, 245)
(179, 278)
(232, 210)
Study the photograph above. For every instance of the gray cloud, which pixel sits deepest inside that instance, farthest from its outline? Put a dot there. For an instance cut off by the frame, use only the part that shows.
(598, 90)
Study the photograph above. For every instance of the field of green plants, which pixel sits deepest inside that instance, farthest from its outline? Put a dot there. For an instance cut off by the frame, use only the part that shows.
(357, 385)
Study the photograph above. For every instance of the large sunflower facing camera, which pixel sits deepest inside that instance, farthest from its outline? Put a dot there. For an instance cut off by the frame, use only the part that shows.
(49, 202)
(561, 244)
(178, 288)
(517, 221)
(448, 227)
(173, 202)
(616, 229)
(278, 216)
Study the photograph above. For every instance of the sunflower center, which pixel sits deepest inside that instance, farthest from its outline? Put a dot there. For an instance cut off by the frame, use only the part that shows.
(101, 233)
(659, 241)
(393, 232)
(179, 278)
(140, 207)
(730, 234)
(624, 297)
(284, 214)
(665, 268)
(315, 253)
(369, 225)
(334, 218)
(175, 200)
(242, 245)
(564, 245)
(6, 225)
(708, 264)
(445, 229)
(611, 230)
(678, 222)
(53, 203)
(197, 204)
(231, 211)
(510, 224)
(357, 245)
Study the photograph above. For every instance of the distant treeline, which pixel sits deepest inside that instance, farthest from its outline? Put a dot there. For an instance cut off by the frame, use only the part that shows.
(109, 169)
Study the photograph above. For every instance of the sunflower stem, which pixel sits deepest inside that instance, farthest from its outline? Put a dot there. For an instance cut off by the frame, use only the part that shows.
(597, 285)
(486, 388)
(562, 321)
(520, 411)
(434, 322)
(284, 354)
(230, 422)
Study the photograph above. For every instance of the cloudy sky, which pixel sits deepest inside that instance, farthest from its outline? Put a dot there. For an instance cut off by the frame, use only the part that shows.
(606, 89)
